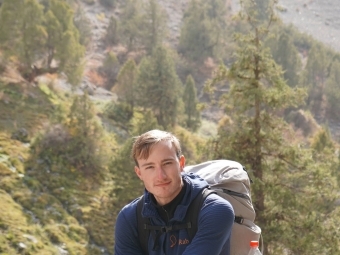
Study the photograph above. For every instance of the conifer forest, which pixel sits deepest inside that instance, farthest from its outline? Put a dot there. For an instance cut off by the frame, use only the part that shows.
(231, 79)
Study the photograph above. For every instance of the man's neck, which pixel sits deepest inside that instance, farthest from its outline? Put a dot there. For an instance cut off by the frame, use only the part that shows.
(167, 211)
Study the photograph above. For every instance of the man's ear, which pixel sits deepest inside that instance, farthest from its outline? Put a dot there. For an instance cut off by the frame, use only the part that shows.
(138, 172)
(182, 162)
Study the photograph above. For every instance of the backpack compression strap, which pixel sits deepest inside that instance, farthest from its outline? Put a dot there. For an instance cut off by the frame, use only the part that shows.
(143, 233)
(194, 209)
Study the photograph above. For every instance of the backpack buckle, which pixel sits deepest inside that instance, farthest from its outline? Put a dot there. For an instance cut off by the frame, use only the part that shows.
(166, 229)
(239, 219)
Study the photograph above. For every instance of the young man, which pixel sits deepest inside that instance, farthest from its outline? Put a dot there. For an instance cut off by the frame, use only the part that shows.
(168, 194)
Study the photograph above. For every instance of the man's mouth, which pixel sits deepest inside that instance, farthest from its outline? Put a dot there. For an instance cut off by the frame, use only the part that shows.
(163, 184)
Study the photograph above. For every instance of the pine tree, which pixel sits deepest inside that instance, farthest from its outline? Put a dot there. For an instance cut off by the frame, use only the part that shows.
(29, 34)
(84, 149)
(34, 34)
(126, 83)
(260, 9)
(83, 24)
(131, 26)
(63, 41)
(111, 37)
(154, 18)
(143, 121)
(11, 13)
(110, 69)
(193, 119)
(159, 87)
(286, 55)
(142, 25)
(315, 76)
(203, 29)
(322, 140)
(22, 31)
(287, 179)
(332, 90)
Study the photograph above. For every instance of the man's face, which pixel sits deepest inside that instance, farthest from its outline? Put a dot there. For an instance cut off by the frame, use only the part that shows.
(161, 172)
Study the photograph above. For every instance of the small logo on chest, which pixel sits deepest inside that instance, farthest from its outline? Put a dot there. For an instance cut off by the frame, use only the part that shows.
(184, 241)
(173, 241)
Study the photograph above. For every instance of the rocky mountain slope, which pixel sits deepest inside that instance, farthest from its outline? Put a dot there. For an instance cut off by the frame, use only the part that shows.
(318, 18)
(314, 17)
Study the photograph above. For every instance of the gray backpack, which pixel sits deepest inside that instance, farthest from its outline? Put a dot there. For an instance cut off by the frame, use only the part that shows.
(230, 180)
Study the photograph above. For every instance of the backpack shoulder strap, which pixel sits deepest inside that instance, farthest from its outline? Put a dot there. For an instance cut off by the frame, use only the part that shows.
(191, 217)
(194, 209)
(143, 233)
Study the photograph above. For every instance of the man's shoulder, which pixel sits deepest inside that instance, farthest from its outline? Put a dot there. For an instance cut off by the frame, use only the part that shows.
(129, 210)
(216, 202)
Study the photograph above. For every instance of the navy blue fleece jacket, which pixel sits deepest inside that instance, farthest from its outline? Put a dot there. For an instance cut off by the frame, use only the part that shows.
(215, 221)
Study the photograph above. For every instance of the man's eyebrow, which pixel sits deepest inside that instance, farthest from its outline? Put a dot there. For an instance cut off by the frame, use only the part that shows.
(147, 164)
(151, 163)
(167, 160)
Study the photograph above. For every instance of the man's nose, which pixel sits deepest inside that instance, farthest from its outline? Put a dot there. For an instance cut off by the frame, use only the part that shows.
(161, 173)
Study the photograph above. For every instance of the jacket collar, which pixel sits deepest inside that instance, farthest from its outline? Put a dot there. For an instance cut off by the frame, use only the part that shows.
(194, 185)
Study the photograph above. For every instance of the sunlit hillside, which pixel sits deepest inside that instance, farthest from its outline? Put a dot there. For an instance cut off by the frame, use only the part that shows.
(80, 78)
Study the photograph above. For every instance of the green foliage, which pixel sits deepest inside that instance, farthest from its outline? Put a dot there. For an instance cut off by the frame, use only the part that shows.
(131, 27)
(159, 87)
(190, 100)
(71, 59)
(126, 83)
(110, 69)
(30, 34)
(111, 37)
(73, 149)
(10, 31)
(16, 229)
(332, 90)
(121, 113)
(143, 121)
(83, 24)
(315, 75)
(142, 25)
(286, 55)
(47, 192)
(287, 178)
(154, 28)
(87, 134)
(20, 110)
(34, 34)
(322, 140)
(301, 41)
(26, 36)
(193, 146)
(259, 10)
(203, 30)
(127, 186)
